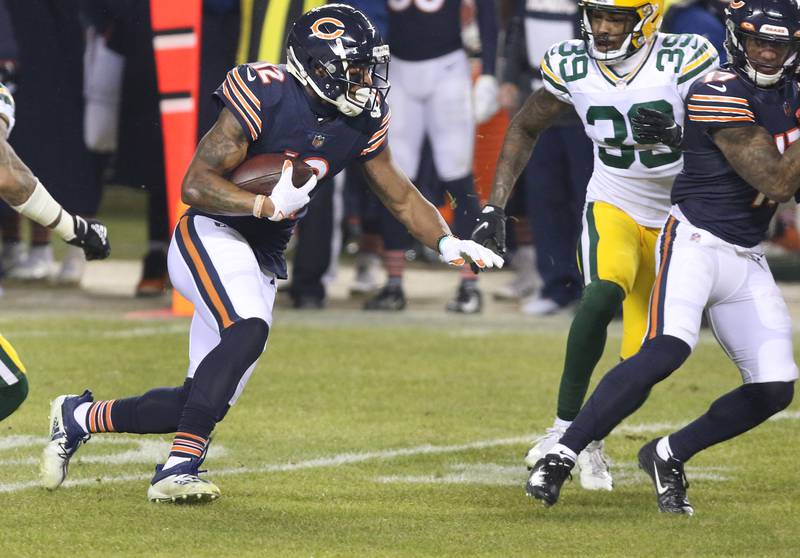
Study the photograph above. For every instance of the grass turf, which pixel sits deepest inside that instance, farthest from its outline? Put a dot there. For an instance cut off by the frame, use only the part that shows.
(306, 460)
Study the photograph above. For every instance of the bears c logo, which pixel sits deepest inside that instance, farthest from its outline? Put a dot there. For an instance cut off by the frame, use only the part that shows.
(328, 22)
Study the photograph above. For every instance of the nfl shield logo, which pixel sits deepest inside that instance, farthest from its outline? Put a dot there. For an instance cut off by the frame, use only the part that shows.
(318, 140)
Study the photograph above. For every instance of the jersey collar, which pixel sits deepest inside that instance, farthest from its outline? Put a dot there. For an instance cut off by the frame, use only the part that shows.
(622, 81)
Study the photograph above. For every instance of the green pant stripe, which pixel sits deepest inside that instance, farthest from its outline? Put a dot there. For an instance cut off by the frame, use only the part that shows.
(594, 239)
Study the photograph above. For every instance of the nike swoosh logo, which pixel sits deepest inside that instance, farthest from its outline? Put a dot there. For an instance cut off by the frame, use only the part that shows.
(480, 227)
(250, 75)
(659, 488)
(721, 88)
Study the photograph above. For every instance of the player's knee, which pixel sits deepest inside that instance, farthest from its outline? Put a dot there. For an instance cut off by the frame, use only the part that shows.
(770, 397)
(250, 337)
(659, 357)
(601, 300)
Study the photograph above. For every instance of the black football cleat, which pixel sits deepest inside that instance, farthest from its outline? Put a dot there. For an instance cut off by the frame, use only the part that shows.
(389, 298)
(468, 300)
(668, 479)
(547, 477)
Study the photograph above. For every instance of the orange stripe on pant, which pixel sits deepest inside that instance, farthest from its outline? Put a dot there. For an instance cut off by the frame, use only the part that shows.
(668, 230)
(205, 278)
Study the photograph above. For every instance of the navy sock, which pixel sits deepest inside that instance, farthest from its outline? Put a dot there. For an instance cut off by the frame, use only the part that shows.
(154, 412)
(218, 375)
(732, 414)
(624, 389)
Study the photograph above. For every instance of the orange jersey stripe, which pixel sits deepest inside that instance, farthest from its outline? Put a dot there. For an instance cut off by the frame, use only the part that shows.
(374, 147)
(720, 98)
(205, 278)
(700, 108)
(225, 91)
(243, 103)
(246, 89)
(721, 118)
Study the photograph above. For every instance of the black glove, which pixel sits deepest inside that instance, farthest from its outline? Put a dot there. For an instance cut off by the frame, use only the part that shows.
(92, 236)
(652, 126)
(491, 229)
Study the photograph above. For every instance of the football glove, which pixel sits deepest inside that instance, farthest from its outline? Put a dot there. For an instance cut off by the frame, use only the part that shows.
(458, 252)
(652, 126)
(485, 100)
(92, 236)
(287, 199)
(491, 228)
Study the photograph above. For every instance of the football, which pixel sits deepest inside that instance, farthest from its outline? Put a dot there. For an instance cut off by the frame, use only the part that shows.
(261, 173)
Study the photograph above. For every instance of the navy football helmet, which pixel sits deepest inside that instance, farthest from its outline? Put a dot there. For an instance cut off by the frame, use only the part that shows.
(340, 54)
(773, 22)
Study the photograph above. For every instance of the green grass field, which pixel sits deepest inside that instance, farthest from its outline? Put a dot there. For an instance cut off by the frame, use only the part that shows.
(374, 436)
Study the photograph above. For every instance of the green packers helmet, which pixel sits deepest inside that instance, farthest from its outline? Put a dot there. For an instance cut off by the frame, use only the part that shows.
(646, 17)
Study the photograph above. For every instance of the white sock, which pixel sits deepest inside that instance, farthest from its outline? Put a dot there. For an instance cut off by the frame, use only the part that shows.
(563, 451)
(662, 448)
(80, 415)
(173, 460)
(561, 424)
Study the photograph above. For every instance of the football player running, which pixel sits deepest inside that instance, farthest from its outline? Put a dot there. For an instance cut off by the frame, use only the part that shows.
(26, 195)
(616, 77)
(738, 165)
(326, 106)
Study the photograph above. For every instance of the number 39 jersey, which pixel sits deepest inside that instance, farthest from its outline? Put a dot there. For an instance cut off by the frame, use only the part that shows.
(634, 177)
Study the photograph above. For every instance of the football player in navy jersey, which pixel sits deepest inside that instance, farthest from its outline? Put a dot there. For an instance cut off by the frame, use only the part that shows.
(741, 158)
(431, 98)
(326, 106)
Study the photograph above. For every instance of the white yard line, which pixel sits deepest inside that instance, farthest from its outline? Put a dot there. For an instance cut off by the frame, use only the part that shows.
(330, 461)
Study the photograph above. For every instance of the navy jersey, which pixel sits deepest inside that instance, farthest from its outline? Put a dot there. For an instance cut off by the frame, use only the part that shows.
(278, 116)
(425, 29)
(708, 190)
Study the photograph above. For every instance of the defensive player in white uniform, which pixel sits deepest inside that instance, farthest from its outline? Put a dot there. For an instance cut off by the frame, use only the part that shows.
(25, 194)
(616, 77)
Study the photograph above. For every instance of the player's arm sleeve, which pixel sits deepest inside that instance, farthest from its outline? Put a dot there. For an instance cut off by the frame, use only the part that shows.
(376, 142)
(487, 27)
(239, 94)
(700, 58)
(7, 108)
(708, 107)
(553, 82)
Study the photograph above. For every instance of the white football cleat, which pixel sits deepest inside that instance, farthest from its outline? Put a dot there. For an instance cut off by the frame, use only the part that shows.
(594, 464)
(66, 436)
(181, 484)
(542, 445)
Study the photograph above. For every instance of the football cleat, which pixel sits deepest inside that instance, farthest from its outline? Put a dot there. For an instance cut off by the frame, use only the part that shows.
(668, 478)
(468, 300)
(182, 484)
(66, 436)
(542, 445)
(388, 298)
(593, 464)
(547, 477)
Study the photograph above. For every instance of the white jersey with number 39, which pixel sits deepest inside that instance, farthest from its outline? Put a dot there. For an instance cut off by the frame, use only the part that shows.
(635, 177)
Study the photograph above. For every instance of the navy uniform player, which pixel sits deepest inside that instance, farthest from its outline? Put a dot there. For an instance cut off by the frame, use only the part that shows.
(26, 195)
(739, 163)
(431, 98)
(326, 106)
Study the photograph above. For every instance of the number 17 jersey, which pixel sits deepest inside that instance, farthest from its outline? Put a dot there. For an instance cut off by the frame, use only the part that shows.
(632, 176)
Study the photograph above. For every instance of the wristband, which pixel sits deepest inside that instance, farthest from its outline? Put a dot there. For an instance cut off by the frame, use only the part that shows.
(42, 208)
(258, 205)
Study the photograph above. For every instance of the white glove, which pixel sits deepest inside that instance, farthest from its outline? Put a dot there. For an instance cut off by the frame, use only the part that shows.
(457, 252)
(485, 102)
(287, 199)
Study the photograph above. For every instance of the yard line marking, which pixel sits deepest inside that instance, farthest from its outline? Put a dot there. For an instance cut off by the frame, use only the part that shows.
(334, 460)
